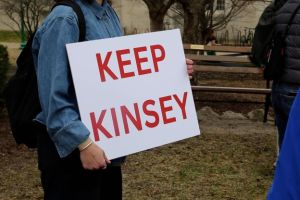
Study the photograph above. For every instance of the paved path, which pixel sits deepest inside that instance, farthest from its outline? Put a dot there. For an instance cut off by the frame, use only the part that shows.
(11, 45)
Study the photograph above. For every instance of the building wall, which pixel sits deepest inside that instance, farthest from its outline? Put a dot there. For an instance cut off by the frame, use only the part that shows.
(249, 17)
(5, 22)
(133, 14)
(244, 23)
(134, 17)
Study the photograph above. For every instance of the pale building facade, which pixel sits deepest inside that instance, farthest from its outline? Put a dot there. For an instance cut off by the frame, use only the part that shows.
(6, 23)
(133, 14)
(134, 17)
(242, 25)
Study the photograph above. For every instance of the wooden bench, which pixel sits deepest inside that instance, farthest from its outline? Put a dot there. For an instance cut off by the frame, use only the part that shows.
(228, 59)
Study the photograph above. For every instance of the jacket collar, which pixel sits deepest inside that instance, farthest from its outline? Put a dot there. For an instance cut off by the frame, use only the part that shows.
(99, 10)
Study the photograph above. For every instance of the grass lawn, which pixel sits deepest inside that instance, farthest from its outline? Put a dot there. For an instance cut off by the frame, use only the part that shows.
(218, 165)
(232, 160)
(9, 36)
(209, 167)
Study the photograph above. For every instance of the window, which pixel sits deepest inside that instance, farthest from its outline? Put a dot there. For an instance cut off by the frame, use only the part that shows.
(220, 4)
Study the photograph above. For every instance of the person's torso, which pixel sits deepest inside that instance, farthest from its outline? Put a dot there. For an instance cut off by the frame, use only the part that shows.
(101, 22)
(292, 52)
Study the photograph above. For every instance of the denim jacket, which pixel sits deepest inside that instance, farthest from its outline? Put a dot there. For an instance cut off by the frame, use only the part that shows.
(60, 112)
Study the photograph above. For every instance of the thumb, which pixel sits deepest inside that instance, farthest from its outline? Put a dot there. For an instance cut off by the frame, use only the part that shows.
(106, 159)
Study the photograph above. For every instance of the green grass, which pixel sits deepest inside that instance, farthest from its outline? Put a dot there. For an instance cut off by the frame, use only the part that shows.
(9, 36)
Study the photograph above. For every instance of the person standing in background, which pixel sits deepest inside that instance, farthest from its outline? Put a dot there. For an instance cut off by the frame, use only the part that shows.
(211, 41)
(285, 88)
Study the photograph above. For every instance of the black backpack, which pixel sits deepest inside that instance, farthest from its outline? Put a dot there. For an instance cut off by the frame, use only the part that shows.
(263, 34)
(21, 93)
(275, 62)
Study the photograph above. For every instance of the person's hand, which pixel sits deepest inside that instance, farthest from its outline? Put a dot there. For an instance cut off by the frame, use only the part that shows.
(92, 156)
(190, 70)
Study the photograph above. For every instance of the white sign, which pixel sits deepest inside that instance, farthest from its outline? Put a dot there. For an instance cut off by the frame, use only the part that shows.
(133, 92)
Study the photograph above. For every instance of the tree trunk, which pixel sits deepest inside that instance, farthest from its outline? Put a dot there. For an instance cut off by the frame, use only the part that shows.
(189, 32)
(156, 24)
(191, 25)
(157, 12)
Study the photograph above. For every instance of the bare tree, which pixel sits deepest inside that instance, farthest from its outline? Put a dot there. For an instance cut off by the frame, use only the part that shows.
(157, 12)
(25, 12)
(201, 16)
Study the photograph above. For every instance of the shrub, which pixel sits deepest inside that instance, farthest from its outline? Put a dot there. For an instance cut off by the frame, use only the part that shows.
(4, 65)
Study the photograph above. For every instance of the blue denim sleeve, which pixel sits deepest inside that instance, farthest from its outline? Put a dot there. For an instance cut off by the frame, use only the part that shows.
(56, 90)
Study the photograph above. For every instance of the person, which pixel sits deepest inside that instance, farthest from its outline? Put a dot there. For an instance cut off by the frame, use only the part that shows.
(285, 88)
(72, 166)
(263, 33)
(211, 41)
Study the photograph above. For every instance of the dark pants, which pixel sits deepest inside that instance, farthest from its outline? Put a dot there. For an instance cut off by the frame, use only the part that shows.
(283, 95)
(65, 179)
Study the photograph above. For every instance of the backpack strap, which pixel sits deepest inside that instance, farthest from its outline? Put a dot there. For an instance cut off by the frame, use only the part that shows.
(80, 16)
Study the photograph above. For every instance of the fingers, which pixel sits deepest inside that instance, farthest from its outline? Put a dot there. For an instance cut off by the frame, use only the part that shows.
(189, 61)
(96, 164)
(190, 69)
(106, 159)
(93, 164)
(94, 158)
(100, 162)
(106, 162)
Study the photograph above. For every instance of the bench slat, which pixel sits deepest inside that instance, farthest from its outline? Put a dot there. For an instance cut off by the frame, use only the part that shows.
(218, 58)
(218, 48)
(232, 89)
(226, 62)
(215, 68)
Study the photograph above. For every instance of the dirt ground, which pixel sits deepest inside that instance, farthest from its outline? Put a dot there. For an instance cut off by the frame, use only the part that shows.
(231, 160)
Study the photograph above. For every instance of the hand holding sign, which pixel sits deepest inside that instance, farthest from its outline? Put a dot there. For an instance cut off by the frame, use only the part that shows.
(190, 68)
(133, 92)
(92, 156)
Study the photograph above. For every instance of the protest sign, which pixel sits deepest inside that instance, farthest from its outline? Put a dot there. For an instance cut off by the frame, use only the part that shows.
(133, 92)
